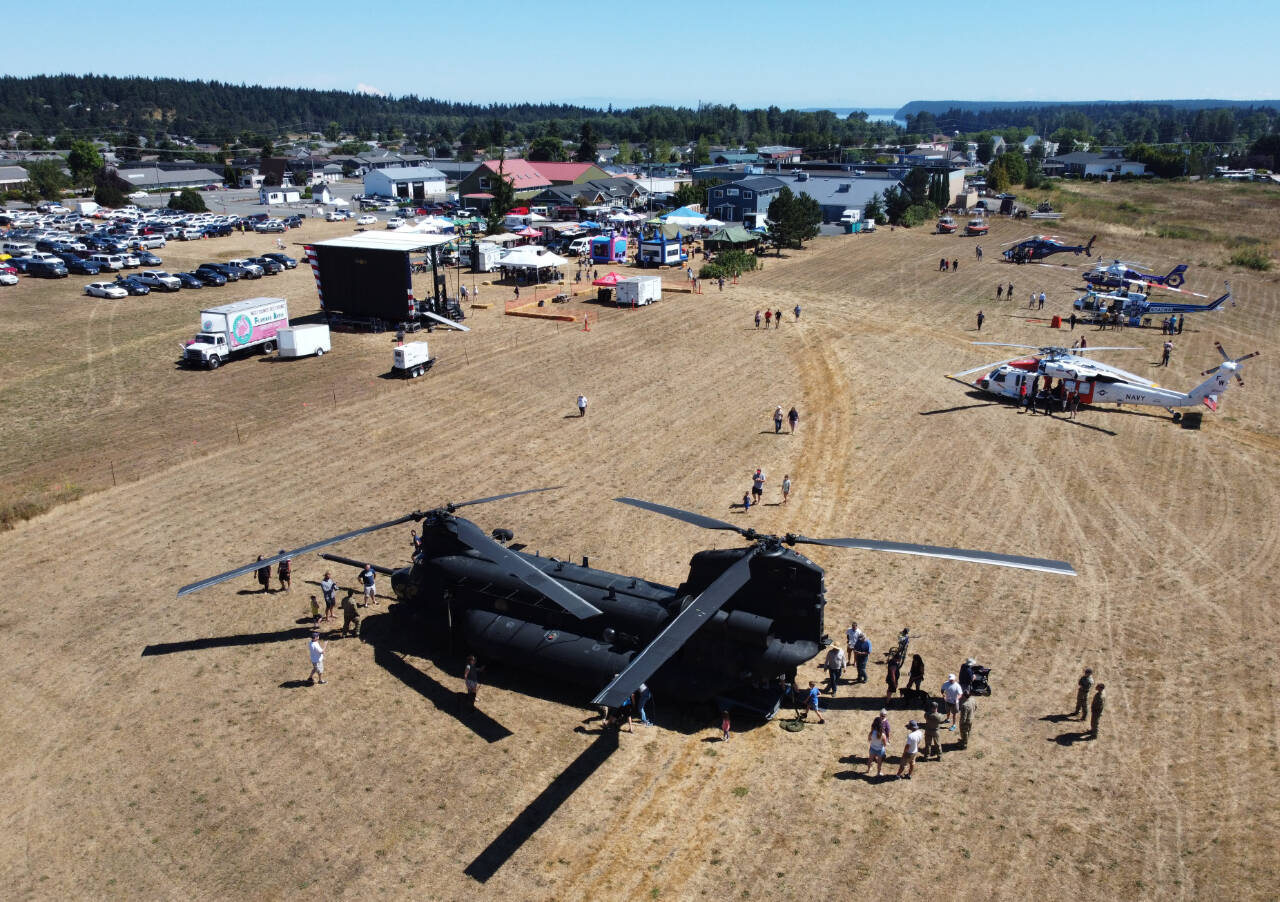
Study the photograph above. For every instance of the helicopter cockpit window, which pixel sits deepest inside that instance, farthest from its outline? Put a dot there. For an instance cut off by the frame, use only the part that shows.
(998, 377)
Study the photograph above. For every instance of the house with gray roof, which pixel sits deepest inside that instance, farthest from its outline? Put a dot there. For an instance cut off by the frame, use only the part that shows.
(1095, 165)
(417, 182)
(730, 201)
(837, 193)
(12, 177)
(152, 178)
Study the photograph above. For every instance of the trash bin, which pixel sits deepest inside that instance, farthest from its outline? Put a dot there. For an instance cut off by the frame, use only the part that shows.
(1056, 322)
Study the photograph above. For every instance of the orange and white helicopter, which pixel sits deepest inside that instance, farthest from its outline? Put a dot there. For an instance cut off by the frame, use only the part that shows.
(1061, 371)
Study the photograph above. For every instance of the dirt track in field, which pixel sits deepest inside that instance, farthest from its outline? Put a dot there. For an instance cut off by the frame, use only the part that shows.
(198, 770)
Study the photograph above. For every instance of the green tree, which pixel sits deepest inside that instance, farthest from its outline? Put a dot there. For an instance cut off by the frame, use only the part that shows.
(332, 131)
(939, 190)
(84, 161)
(702, 152)
(691, 193)
(997, 178)
(917, 185)
(587, 144)
(986, 149)
(108, 193)
(47, 179)
(268, 149)
(504, 198)
(793, 218)
(624, 154)
(547, 149)
(188, 201)
(873, 209)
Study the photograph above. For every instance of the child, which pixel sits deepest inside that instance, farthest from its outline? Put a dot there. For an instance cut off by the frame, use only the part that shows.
(746, 501)
(315, 610)
(724, 726)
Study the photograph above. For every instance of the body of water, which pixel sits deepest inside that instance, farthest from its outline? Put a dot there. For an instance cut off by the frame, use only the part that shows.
(874, 114)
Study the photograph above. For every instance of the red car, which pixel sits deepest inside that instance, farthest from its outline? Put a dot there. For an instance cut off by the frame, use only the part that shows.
(7, 268)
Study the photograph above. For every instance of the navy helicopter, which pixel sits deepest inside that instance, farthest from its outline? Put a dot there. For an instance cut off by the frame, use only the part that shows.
(1037, 247)
(735, 630)
(1119, 275)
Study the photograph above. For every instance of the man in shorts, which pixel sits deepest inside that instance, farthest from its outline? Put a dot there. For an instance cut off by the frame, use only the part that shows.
(951, 693)
(368, 578)
(329, 589)
(316, 649)
(350, 616)
(909, 751)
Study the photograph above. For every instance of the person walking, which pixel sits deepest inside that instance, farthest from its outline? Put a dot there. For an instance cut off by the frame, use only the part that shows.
(796, 311)
(768, 318)
(582, 405)
(793, 418)
(1072, 319)
(316, 650)
(1182, 321)
(811, 702)
(786, 487)
(951, 693)
(999, 291)
(1041, 307)
(757, 485)
(835, 667)
(720, 281)
(350, 616)
(284, 572)
(891, 679)
(1009, 291)
(1095, 709)
(368, 579)
(777, 420)
(915, 736)
(471, 680)
(1083, 687)
(981, 317)
(861, 652)
(643, 697)
(877, 742)
(757, 318)
(725, 725)
(1168, 352)
(851, 639)
(264, 576)
(933, 720)
(955, 265)
(978, 251)
(329, 589)
(777, 319)
(968, 708)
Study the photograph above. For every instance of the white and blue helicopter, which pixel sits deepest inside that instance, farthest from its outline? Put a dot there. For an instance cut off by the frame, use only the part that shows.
(1062, 371)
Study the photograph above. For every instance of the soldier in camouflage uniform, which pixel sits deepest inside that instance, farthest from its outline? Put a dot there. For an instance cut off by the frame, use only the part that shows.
(1082, 694)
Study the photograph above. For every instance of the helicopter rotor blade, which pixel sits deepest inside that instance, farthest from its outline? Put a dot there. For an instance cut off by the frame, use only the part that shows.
(453, 507)
(1005, 344)
(686, 516)
(956, 554)
(268, 561)
(978, 369)
(1222, 350)
(677, 632)
(475, 537)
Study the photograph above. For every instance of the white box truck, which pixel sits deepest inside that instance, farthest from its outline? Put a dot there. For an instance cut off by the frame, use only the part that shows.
(304, 341)
(412, 360)
(236, 329)
(638, 291)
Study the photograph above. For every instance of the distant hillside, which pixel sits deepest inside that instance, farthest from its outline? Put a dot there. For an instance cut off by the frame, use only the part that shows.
(976, 106)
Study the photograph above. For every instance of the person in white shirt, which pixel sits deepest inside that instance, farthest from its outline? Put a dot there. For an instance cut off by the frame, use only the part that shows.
(851, 639)
(909, 751)
(317, 658)
(835, 666)
(951, 693)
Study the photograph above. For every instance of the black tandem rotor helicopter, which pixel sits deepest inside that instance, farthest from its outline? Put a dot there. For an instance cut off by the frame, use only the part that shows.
(735, 630)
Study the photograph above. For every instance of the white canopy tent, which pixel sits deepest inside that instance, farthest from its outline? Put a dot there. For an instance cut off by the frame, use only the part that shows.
(531, 256)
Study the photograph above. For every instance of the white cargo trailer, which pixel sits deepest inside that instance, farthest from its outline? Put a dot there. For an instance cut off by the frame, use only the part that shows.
(638, 291)
(412, 359)
(304, 341)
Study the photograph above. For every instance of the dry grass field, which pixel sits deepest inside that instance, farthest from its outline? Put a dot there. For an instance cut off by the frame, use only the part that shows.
(202, 770)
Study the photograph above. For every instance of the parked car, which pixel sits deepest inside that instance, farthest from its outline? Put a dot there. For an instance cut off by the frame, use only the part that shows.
(228, 274)
(190, 280)
(105, 290)
(243, 272)
(158, 278)
(8, 278)
(283, 259)
(268, 266)
(256, 271)
(269, 225)
(293, 222)
(366, 219)
(47, 269)
(395, 222)
(132, 285)
(130, 260)
(191, 233)
(146, 258)
(79, 265)
(148, 242)
(209, 277)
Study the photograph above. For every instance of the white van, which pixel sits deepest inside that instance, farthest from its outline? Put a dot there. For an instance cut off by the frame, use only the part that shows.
(113, 262)
(580, 246)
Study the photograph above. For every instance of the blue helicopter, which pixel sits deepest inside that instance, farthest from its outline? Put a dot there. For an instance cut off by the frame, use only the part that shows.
(1119, 275)
(1037, 247)
(1132, 306)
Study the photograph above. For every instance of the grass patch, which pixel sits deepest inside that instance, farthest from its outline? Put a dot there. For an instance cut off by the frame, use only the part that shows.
(36, 503)
(1182, 232)
(1255, 258)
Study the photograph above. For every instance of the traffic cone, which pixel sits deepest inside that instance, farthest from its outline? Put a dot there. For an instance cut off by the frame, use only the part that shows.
(586, 322)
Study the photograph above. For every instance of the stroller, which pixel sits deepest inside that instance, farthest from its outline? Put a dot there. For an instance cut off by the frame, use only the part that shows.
(979, 684)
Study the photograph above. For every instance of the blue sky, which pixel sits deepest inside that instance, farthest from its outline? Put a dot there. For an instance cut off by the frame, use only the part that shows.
(793, 55)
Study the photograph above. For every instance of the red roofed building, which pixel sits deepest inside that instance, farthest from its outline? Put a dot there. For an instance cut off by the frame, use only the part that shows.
(524, 179)
(568, 173)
